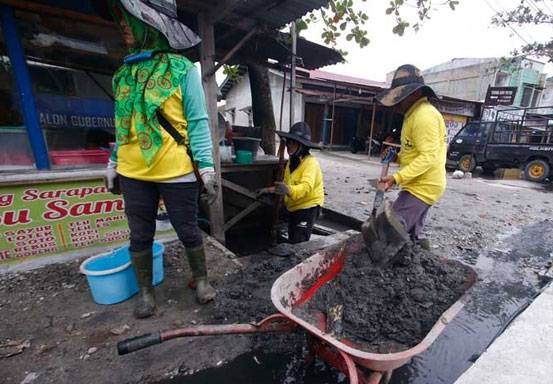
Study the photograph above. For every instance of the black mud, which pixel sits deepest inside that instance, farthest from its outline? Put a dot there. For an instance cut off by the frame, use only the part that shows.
(392, 308)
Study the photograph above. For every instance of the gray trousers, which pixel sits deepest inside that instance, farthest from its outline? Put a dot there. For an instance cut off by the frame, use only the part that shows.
(412, 212)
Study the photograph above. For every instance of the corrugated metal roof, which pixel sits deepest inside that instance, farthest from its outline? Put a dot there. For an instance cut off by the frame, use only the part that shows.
(322, 75)
(277, 13)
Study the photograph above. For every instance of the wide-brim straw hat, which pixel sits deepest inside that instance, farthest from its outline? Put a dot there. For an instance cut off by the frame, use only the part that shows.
(301, 132)
(407, 79)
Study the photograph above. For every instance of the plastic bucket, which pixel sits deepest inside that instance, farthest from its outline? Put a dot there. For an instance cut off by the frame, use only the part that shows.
(111, 277)
(244, 157)
(246, 144)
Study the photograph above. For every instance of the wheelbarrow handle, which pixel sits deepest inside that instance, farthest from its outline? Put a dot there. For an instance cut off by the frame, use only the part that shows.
(139, 342)
(273, 323)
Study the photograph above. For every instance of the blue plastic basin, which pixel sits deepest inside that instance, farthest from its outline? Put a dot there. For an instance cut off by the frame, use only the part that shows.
(111, 277)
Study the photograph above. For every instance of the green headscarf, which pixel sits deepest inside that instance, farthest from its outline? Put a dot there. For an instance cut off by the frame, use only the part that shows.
(141, 87)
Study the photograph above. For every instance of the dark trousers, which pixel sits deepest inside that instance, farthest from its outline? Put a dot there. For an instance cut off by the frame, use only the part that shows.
(141, 205)
(300, 224)
(411, 212)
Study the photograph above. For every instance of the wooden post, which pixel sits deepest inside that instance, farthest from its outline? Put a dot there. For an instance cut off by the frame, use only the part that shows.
(293, 75)
(207, 61)
(372, 127)
(333, 118)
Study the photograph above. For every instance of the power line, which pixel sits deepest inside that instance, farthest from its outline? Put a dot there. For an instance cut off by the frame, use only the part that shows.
(498, 14)
(533, 5)
(538, 9)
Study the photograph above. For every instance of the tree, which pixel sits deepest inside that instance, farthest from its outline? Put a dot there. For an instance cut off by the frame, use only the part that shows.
(262, 106)
(345, 19)
(529, 12)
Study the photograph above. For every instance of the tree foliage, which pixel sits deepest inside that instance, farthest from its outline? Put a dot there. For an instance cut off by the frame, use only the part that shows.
(346, 19)
(529, 12)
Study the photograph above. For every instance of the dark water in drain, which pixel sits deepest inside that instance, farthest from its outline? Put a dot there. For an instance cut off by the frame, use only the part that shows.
(507, 281)
(262, 368)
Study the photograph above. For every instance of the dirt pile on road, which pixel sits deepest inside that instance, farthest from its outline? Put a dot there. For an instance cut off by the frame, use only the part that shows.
(392, 308)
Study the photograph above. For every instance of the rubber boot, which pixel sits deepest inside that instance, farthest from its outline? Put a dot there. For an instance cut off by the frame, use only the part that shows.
(196, 258)
(145, 302)
(425, 244)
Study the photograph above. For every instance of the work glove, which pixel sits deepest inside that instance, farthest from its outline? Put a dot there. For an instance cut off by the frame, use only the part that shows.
(209, 178)
(264, 191)
(111, 178)
(282, 189)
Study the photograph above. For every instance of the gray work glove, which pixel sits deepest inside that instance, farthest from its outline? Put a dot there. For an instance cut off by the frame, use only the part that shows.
(281, 189)
(263, 191)
(209, 178)
(110, 178)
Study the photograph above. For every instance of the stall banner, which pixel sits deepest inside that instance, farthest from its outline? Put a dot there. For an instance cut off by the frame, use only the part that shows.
(453, 124)
(49, 219)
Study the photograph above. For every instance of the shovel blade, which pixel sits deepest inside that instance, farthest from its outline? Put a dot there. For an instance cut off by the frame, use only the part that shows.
(384, 235)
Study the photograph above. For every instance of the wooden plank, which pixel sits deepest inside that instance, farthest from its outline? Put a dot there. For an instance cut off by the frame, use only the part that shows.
(249, 209)
(207, 61)
(42, 9)
(243, 191)
(231, 53)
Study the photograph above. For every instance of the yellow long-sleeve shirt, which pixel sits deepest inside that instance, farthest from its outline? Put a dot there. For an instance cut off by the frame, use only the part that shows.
(306, 185)
(185, 110)
(423, 153)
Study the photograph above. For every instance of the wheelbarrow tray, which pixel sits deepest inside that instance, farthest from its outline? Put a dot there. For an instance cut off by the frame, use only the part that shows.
(298, 285)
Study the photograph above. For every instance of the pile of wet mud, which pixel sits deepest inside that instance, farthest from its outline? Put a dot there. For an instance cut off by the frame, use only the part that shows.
(245, 295)
(391, 308)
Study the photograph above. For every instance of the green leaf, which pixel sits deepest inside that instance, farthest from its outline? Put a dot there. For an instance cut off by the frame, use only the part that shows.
(389, 11)
(349, 36)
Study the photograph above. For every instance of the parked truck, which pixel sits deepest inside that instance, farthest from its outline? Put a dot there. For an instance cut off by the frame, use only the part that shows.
(514, 138)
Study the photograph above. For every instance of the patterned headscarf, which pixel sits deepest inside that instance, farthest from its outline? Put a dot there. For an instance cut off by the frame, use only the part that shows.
(141, 87)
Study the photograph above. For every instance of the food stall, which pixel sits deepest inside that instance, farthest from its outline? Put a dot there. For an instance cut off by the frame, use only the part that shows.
(56, 120)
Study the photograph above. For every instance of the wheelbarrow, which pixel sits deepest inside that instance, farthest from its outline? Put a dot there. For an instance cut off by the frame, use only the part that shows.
(295, 288)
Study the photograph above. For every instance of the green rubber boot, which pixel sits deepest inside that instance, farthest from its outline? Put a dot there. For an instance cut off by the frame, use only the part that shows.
(146, 301)
(425, 244)
(196, 258)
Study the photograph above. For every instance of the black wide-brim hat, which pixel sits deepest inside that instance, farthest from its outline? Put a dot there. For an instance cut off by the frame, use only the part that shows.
(301, 132)
(407, 79)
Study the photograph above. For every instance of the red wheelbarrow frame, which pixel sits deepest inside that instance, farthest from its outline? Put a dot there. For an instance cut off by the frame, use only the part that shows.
(294, 288)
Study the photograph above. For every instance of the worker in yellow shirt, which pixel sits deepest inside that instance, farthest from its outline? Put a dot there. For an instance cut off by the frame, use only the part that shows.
(162, 131)
(422, 158)
(302, 187)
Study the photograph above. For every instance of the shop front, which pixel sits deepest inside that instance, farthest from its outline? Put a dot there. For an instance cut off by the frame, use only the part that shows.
(56, 128)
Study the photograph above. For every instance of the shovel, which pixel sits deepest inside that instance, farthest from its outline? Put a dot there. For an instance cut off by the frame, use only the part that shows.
(383, 232)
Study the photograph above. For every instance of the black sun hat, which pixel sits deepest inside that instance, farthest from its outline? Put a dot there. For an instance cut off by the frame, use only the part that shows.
(407, 79)
(301, 132)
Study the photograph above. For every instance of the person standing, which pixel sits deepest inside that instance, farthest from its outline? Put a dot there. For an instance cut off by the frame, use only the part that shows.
(422, 157)
(157, 87)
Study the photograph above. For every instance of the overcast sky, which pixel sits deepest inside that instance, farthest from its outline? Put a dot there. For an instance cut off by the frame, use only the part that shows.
(465, 32)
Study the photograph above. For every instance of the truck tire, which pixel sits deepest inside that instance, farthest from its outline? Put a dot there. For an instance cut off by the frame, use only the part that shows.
(536, 170)
(466, 163)
(488, 169)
